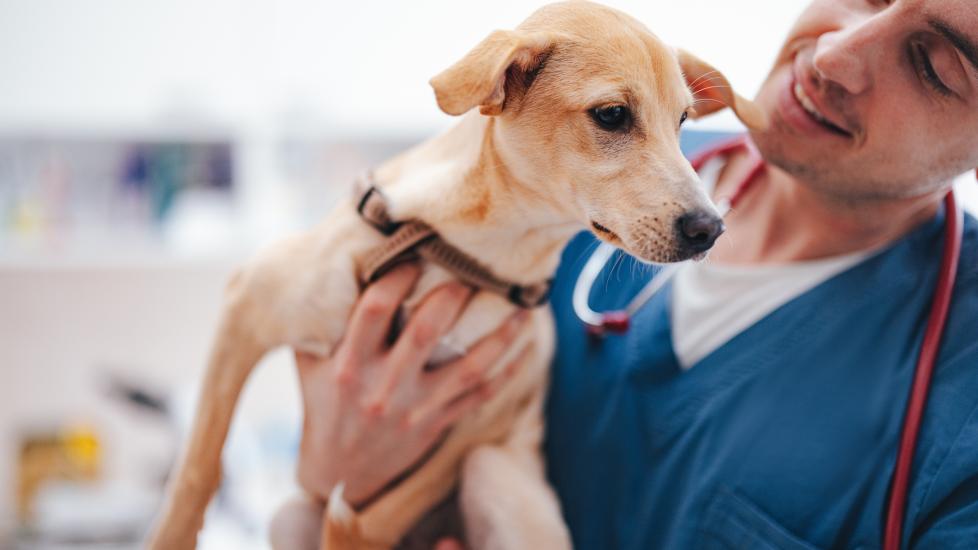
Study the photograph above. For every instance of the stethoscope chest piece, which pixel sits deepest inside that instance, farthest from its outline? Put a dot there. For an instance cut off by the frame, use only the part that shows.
(600, 324)
(612, 322)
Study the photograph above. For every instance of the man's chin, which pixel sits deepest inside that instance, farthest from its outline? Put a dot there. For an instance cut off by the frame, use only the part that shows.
(787, 152)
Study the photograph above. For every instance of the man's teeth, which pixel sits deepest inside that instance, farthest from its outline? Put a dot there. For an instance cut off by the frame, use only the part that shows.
(806, 102)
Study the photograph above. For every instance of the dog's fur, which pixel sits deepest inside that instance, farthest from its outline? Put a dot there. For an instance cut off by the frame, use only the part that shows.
(509, 184)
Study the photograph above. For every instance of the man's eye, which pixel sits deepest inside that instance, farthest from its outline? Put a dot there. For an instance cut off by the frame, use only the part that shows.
(612, 118)
(921, 60)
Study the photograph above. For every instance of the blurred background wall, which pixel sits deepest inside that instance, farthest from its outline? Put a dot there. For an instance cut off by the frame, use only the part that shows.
(147, 147)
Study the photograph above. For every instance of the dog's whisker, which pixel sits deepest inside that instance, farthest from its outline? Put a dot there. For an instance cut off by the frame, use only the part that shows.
(710, 88)
(611, 272)
(698, 79)
(715, 84)
(724, 103)
(589, 249)
(703, 76)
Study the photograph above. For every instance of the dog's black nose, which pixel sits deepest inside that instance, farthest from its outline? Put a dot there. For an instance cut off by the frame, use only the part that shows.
(698, 231)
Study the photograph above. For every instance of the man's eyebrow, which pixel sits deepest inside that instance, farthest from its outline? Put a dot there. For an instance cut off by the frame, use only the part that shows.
(960, 42)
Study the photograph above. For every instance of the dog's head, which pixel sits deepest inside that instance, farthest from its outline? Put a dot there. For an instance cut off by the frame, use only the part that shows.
(588, 105)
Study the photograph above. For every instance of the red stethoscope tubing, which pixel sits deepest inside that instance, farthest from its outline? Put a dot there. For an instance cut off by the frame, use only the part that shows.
(617, 321)
(941, 302)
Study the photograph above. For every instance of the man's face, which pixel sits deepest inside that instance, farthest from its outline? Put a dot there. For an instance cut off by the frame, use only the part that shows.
(893, 86)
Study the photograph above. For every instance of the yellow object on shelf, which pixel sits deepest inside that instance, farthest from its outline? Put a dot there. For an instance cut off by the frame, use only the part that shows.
(74, 454)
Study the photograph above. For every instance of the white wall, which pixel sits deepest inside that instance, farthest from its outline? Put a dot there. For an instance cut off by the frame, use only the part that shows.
(353, 66)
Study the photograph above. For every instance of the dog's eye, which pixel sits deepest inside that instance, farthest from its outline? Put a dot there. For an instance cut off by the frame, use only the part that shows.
(611, 118)
(683, 118)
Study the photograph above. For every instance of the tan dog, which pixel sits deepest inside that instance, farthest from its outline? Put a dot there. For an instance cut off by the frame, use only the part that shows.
(577, 126)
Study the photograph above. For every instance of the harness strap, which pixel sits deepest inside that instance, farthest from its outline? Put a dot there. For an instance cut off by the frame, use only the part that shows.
(400, 246)
(413, 239)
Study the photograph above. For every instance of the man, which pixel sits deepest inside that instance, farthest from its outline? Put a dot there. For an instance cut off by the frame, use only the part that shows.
(776, 425)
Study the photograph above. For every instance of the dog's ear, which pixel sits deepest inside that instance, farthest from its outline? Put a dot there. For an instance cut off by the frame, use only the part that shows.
(480, 78)
(713, 92)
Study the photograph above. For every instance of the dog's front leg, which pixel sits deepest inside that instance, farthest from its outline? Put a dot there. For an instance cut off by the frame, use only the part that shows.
(296, 293)
(198, 473)
(505, 499)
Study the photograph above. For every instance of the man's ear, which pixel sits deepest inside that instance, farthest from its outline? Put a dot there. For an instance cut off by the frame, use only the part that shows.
(713, 92)
(479, 78)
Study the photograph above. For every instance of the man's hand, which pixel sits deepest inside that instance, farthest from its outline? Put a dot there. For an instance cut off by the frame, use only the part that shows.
(371, 410)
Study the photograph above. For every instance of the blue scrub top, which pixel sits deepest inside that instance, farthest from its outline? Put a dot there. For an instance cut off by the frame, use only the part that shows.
(784, 437)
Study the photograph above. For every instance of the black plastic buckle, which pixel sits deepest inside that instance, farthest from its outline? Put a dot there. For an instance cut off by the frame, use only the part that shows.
(516, 296)
(387, 229)
(364, 199)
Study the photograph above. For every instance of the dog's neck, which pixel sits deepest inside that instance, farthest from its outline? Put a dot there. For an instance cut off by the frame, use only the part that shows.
(460, 184)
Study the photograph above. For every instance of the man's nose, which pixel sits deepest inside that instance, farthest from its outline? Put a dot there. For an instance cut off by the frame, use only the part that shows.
(844, 56)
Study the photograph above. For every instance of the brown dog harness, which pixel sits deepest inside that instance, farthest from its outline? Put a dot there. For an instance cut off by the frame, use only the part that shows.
(413, 239)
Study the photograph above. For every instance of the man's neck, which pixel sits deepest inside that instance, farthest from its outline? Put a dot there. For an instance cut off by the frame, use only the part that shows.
(781, 219)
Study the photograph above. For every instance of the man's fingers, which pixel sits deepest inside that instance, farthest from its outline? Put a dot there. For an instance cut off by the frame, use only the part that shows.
(372, 316)
(479, 395)
(492, 346)
(472, 370)
(484, 354)
(428, 323)
(433, 318)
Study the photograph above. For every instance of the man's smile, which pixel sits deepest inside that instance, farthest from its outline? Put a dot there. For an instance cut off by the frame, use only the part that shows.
(809, 106)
